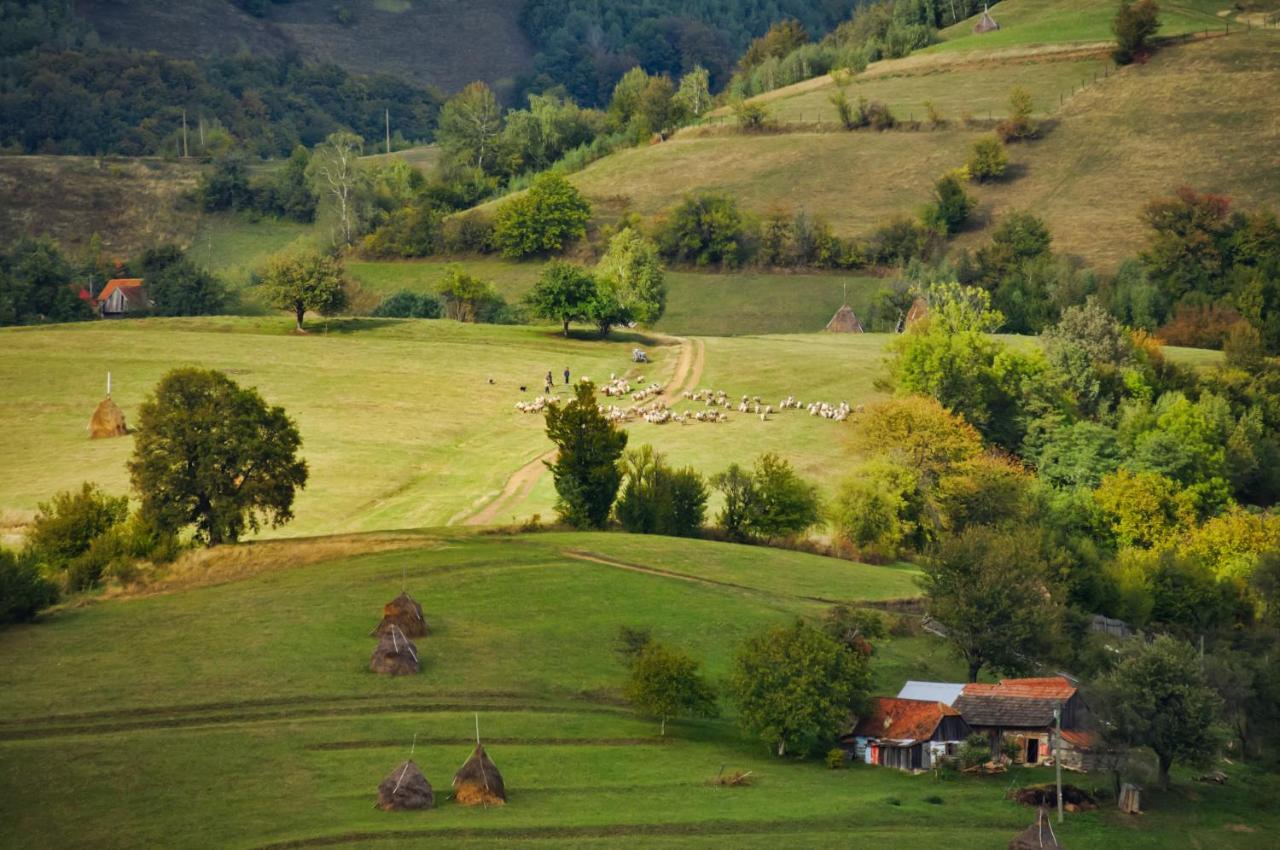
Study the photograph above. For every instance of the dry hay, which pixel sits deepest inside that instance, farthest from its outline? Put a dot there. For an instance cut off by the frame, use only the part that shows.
(405, 613)
(478, 782)
(986, 23)
(1038, 836)
(735, 779)
(845, 321)
(107, 421)
(395, 655)
(405, 788)
(1047, 795)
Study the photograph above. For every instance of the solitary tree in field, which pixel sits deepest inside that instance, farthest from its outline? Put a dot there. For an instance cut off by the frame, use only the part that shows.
(300, 280)
(563, 293)
(988, 589)
(335, 171)
(987, 160)
(586, 469)
(212, 455)
(1158, 697)
(694, 94)
(665, 683)
(1134, 23)
(795, 686)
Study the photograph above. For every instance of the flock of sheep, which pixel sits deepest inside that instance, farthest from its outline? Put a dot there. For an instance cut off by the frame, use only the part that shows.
(716, 402)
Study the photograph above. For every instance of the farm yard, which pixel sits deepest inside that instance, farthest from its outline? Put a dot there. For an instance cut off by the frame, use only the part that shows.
(170, 696)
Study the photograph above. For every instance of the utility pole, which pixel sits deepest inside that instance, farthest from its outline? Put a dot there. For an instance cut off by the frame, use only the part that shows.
(1057, 758)
(202, 146)
(387, 114)
(185, 152)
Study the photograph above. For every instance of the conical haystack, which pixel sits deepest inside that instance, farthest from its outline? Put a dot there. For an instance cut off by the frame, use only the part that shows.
(107, 421)
(919, 310)
(986, 23)
(1038, 836)
(404, 612)
(845, 321)
(405, 788)
(395, 655)
(478, 782)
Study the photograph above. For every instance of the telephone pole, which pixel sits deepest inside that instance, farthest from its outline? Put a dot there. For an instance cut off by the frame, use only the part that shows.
(387, 114)
(185, 152)
(1057, 758)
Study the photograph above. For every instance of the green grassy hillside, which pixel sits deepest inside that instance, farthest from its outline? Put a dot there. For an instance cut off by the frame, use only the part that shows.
(1199, 113)
(170, 722)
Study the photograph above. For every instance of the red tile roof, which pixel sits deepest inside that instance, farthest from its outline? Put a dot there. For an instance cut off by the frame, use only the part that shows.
(903, 719)
(1051, 687)
(124, 283)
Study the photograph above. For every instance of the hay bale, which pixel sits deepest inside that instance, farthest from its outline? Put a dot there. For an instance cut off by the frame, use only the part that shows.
(107, 421)
(986, 23)
(919, 310)
(405, 613)
(405, 788)
(1038, 836)
(395, 655)
(478, 782)
(845, 321)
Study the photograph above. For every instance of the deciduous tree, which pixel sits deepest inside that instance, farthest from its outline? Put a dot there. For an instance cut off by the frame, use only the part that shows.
(563, 293)
(664, 683)
(586, 469)
(301, 279)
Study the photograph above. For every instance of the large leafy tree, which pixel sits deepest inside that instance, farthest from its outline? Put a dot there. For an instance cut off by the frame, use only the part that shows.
(177, 286)
(213, 455)
(665, 683)
(632, 270)
(35, 286)
(795, 686)
(563, 292)
(470, 126)
(658, 499)
(340, 180)
(586, 469)
(1157, 696)
(299, 280)
(546, 218)
(989, 591)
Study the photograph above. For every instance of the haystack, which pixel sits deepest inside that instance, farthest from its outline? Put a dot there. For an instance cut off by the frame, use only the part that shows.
(1038, 836)
(404, 612)
(845, 321)
(986, 23)
(405, 788)
(395, 654)
(919, 310)
(478, 782)
(107, 421)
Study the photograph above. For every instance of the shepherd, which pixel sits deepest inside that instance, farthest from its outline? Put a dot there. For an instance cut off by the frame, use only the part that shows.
(551, 382)
(566, 376)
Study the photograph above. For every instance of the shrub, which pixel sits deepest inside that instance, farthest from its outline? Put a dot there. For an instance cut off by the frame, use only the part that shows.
(899, 242)
(705, 229)
(844, 109)
(836, 759)
(409, 305)
(1199, 325)
(467, 233)
(769, 502)
(1019, 126)
(987, 160)
(66, 526)
(874, 114)
(975, 750)
(934, 800)
(23, 590)
(1133, 24)
(550, 215)
(950, 208)
(752, 117)
(660, 500)
(630, 640)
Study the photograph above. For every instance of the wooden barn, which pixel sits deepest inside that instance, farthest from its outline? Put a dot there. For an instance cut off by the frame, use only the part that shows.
(122, 296)
(908, 734)
(1021, 710)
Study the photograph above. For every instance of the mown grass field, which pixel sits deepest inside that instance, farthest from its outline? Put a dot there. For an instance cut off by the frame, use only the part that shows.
(698, 303)
(169, 721)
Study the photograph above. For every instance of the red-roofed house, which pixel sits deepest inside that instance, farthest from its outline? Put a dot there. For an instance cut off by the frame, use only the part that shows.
(122, 296)
(908, 734)
(1021, 710)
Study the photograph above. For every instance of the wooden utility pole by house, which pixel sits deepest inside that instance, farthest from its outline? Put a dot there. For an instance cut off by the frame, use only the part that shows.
(185, 152)
(387, 115)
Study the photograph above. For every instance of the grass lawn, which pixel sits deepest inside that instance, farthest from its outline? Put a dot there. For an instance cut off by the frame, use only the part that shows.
(698, 303)
(234, 247)
(165, 721)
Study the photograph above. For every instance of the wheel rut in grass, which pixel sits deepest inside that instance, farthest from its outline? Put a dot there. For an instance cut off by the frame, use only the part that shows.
(687, 373)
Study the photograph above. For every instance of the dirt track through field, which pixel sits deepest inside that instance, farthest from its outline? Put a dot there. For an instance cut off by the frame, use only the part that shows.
(687, 374)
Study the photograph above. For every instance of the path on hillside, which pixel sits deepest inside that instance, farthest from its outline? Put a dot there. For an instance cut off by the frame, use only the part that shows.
(686, 375)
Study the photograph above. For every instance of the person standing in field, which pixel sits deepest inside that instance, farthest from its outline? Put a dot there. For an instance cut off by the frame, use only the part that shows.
(550, 382)
(566, 376)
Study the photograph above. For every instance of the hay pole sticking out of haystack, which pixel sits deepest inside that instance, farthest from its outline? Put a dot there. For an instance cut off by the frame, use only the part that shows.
(407, 645)
(483, 775)
(405, 769)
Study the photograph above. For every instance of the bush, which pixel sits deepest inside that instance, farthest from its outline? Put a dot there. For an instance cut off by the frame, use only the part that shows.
(1134, 23)
(409, 305)
(987, 160)
(660, 500)
(899, 242)
(769, 502)
(23, 590)
(752, 117)
(934, 800)
(546, 218)
(975, 750)
(1199, 325)
(1019, 126)
(705, 230)
(950, 208)
(836, 759)
(874, 114)
(66, 526)
(467, 233)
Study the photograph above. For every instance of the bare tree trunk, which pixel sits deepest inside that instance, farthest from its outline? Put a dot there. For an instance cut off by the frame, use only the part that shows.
(299, 311)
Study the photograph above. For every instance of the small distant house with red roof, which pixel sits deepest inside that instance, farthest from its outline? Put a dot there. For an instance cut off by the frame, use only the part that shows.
(1022, 710)
(908, 734)
(122, 296)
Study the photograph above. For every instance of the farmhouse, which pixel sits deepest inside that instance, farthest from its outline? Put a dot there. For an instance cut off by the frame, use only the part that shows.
(908, 734)
(1021, 710)
(122, 296)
